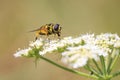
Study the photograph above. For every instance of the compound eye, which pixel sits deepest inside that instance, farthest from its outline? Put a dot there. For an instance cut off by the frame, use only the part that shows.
(56, 27)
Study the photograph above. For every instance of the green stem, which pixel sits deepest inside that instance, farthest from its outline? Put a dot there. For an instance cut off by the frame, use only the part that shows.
(67, 69)
(103, 64)
(91, 69)
(116, 74)
(109, 65)
(97, 66)
(113, 63)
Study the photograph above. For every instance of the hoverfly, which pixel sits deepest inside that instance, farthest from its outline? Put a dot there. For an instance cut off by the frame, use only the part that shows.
(48, 29)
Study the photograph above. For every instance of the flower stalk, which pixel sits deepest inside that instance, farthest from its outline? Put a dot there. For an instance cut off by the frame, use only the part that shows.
(103, 64)
(67, 69)
(113, 63)
(97, 66)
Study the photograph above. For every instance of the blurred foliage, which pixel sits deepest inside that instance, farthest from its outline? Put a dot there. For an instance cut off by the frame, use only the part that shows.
(17, 17)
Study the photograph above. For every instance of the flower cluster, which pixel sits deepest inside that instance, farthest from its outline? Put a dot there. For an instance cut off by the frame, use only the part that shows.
(75, 52)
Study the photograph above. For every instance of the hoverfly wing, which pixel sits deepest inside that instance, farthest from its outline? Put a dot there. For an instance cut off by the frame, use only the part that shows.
(35, 30)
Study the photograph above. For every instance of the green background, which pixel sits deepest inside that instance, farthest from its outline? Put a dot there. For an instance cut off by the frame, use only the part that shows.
(76, 17)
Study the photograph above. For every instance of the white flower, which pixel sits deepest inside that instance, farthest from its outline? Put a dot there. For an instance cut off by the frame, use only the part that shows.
(75, 63)
(88, 38)
(52, 46)
(42, 52)
(50, 49)
(107, 38)
(73, 55)
(117, 44)
(37, 43)
(21, 53)
(74, 60)
(105, 41)
(80, 62)
(67, 40)
(76, 52)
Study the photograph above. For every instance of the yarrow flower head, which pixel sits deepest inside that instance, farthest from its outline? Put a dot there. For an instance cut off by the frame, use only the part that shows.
(75, 51)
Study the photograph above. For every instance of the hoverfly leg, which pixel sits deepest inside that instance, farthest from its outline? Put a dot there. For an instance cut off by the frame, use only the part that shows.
(47, 38)
(54, 36)
(36, 38)
(59, 36)
(37, 34)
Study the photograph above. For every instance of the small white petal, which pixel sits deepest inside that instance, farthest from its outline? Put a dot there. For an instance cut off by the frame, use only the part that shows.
(22, 52)
(117, 44)
(37, 43)
(80, 62)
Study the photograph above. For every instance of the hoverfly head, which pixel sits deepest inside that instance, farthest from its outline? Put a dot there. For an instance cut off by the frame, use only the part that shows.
(56, 27)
